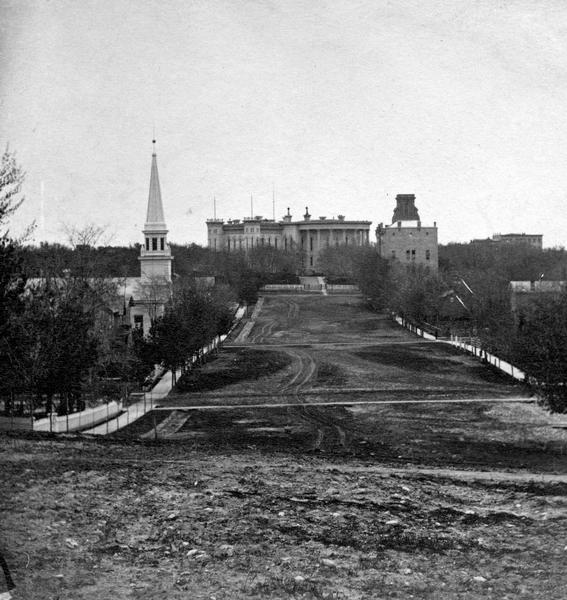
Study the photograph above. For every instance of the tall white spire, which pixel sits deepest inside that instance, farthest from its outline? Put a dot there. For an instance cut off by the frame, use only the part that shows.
(155, 255)
(155, 219)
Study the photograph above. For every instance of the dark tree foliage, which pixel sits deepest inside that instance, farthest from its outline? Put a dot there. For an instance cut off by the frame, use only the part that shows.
(12, 279)
(375, 278)
(509, 262)
(53, 348)
(416, 292)
(191, 320)
(540, 350)
(54, 260)
(487, 270)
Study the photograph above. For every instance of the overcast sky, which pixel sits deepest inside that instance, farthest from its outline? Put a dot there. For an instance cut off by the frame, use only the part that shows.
(339, 105)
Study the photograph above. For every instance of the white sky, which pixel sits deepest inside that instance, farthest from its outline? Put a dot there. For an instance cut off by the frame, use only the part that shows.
(340, 105)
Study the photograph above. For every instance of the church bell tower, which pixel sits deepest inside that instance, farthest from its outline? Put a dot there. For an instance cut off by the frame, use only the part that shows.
(155, 255)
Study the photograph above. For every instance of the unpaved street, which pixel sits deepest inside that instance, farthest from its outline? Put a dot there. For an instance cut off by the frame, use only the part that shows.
(350, 380)
(250, 484)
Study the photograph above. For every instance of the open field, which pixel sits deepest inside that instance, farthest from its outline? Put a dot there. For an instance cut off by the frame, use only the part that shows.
(370, 359)
(86, 519)
(420, 499)
(334, 344)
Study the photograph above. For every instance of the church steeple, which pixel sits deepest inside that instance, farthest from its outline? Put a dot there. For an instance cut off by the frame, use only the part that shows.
(155, 255)
(154, 215)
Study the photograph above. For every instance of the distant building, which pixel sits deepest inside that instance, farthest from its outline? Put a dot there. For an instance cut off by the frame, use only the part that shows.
(535, 240)
(309, 236)
(524, 293)
(407, 240)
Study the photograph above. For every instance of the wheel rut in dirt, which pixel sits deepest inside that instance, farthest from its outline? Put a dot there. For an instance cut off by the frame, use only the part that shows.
(355, 382)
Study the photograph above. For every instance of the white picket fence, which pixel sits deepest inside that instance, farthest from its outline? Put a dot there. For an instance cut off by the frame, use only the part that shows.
(293, 287)
(504, 366)
(282, 287)
(342, 288)
(414, 329)
(466, 345)
(90, 418)
(80, 420)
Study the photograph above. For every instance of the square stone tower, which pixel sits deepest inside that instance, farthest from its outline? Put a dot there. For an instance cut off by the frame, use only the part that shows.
(407, 240)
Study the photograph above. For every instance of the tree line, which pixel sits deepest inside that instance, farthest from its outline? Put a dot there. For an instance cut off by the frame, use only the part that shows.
(55, 339)
(64, 336)
(470, 296)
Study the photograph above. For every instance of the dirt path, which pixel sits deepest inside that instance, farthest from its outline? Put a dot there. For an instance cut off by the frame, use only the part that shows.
(299, 400)
(305, 370)
(261, 334)
(460, 474)
(169, 426)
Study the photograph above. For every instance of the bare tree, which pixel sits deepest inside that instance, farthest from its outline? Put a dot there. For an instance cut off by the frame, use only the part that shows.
(11, 180)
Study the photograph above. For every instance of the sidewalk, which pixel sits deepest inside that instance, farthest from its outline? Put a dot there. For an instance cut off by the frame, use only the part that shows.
(159, 391)
(137, 410)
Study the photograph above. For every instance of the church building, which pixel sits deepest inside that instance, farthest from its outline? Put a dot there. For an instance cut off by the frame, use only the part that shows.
(147, 295)
(407, 240)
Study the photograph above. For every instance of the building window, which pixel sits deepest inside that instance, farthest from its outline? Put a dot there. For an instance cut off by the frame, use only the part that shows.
(228, 244)
(154, 243)
(310, 261)
(147, 243)
(161, 243)
(407, 254)
(427, 255)
(393, 254)
(413, 254)
(311, 244)
(138, 321)
(276, 243)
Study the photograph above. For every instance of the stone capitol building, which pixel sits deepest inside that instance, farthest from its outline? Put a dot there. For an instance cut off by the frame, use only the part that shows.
(407, 240)
(310, 235)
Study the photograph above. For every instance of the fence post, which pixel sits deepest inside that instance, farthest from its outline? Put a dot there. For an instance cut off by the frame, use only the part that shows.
(154, 425)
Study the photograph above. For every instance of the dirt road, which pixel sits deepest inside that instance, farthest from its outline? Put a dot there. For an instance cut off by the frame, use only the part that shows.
(354, 381)
(405, 487)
